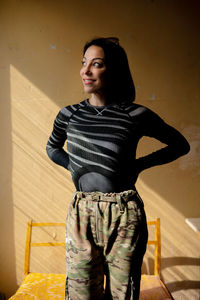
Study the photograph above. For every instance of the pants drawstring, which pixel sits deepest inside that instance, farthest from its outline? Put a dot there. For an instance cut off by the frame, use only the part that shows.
(120, 202)
(76, 197)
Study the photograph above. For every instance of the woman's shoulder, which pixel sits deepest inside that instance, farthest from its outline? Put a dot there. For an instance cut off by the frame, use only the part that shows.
(142, 114)
(134, 109)
(67, 111)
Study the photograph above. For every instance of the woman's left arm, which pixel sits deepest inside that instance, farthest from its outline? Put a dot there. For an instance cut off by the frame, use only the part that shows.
(176, 143)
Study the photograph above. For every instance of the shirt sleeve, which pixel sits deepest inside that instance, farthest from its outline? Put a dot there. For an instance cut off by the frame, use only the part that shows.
(152, 125)
(57, 140)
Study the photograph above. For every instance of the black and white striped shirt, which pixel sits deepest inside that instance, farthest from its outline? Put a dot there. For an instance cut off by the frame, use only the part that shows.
(102, 143)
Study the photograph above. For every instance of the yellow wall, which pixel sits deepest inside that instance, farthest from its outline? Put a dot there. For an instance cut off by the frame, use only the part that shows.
(41, 44)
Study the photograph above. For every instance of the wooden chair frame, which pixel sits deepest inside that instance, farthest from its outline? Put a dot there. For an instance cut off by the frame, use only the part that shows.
(156, 242)
(42, 285)
(29, 244)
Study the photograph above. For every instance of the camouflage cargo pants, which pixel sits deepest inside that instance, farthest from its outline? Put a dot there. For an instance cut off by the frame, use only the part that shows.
(106, 237)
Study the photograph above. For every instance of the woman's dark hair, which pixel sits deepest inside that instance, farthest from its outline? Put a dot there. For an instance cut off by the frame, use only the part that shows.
(120, 85)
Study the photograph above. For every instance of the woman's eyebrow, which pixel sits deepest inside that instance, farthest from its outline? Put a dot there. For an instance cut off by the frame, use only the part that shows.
(94, 58)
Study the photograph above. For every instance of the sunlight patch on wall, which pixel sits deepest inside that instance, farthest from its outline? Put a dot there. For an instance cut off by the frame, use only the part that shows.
(41, 190)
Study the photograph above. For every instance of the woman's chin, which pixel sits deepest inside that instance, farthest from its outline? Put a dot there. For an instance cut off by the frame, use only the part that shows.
(88, 90)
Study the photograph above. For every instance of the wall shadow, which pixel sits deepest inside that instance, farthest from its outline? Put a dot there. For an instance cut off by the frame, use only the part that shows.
(185, 284)
(168, 262)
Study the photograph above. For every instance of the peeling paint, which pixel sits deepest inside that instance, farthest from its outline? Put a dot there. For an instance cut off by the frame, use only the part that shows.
(191, 161)
(153, 97)
(53, 47)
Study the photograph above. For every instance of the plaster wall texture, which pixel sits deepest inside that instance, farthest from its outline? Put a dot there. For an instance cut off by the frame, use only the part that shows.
(41, 44)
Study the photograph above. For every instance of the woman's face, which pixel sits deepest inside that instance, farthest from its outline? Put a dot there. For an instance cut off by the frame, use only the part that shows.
(93, 70)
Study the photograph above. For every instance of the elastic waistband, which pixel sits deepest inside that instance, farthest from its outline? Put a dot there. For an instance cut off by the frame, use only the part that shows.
(119, 198)
(112, 197)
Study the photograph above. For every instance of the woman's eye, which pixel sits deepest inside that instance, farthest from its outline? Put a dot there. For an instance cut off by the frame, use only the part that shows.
(83, 63)
(97, 64)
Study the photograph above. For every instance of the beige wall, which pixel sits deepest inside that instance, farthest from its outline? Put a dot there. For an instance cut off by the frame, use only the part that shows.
(41, 44)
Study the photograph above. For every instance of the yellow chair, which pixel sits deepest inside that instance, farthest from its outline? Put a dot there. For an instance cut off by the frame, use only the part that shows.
(42, 286)
(152, 287)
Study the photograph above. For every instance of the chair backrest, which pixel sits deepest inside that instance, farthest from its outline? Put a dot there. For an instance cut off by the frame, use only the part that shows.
(30, 244)
(156, 242)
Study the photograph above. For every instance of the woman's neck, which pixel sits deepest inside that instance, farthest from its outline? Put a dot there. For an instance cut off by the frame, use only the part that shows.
(98, 100)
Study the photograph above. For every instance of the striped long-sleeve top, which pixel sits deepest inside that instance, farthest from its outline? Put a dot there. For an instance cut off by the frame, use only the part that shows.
(102, 143)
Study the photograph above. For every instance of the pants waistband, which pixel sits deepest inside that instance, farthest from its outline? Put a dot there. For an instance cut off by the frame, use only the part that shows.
(119, 198)
(111, 197)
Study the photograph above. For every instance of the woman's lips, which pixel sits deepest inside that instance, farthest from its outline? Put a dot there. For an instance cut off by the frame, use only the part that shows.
(88, 81)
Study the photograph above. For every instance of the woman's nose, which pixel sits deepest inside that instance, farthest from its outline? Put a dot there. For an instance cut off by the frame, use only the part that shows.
(87, 70)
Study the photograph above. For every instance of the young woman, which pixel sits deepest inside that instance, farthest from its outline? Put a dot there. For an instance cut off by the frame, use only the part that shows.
(106, 225)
